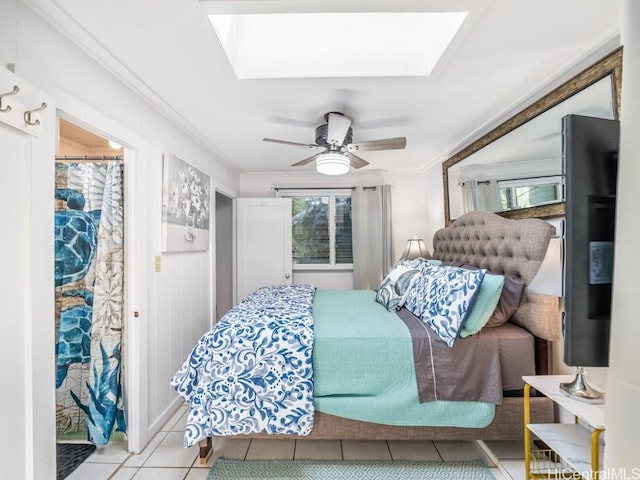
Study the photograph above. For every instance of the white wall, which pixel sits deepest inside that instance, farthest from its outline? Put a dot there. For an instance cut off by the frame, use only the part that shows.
(623, 384)
(174, 304)
(27, 448)
(14, 299)
(409, 205)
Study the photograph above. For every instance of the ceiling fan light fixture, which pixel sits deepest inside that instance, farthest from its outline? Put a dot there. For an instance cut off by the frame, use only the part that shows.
(332, 163)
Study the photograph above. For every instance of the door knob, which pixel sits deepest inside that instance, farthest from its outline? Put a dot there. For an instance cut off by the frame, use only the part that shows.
(287, 275)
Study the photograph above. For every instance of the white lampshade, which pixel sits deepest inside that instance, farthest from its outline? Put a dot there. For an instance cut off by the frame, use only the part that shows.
(550, 277)
(415, 248)
(332, 163)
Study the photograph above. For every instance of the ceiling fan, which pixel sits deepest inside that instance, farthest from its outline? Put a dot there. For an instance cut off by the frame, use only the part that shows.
(334, 138)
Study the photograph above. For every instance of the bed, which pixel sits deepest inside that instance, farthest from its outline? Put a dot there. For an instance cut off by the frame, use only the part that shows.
(342, 398)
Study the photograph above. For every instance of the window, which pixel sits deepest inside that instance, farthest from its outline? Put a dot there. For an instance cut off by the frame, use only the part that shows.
(530, 192)
(321, 228)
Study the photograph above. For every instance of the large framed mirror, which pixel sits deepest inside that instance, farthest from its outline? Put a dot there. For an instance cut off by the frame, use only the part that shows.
(515, 170)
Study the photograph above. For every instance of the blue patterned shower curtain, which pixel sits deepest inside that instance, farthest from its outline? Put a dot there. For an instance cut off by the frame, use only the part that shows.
(89, 278)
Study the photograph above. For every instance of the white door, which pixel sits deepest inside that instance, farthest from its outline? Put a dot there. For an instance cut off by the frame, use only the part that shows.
(263, 243)
(27, 366)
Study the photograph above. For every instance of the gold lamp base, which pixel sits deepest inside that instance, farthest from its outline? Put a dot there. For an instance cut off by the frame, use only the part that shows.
(579, 389)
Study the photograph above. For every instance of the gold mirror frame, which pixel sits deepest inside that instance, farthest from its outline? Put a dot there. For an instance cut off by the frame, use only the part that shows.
(611, 64)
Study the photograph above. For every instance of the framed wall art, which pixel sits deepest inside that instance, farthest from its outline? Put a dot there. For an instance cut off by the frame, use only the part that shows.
(185, 206)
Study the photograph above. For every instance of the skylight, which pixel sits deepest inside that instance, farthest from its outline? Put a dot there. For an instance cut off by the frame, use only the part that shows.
(301, 45)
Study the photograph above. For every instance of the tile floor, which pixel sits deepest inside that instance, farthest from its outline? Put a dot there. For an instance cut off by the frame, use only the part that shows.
(166, 459)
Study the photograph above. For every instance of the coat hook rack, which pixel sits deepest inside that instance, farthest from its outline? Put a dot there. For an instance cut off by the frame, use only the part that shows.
(28, 113)
(2, 95)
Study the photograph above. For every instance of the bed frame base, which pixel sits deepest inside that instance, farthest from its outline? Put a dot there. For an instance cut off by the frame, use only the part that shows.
(206, 448)
(507, 425)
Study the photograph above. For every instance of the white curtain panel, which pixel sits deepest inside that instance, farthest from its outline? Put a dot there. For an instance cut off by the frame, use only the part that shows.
(372, 236)
(481, 195)
(468, 196)
(488, 196)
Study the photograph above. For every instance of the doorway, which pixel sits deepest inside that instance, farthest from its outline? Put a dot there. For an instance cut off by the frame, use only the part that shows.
(89, 282)
(224, 254)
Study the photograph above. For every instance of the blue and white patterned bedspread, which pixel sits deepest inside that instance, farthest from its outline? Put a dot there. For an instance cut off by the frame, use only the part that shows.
(252, 372)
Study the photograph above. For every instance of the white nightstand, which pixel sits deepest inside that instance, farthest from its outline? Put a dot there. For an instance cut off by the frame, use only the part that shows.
(574, 448)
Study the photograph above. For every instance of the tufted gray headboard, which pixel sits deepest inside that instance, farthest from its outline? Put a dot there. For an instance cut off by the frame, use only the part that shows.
(506, 246)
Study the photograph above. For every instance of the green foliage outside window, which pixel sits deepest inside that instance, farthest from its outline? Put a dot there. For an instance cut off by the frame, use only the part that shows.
(318, 224)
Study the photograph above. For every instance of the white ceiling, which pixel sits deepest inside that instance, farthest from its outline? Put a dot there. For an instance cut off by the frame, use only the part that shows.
(505, 52)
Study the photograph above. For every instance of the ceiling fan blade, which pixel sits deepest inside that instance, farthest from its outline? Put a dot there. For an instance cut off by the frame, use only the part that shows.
(396, 143)
(356, 162)
(401, 121)
(338, 127)
(293, 122)
(296, 144)
(306, 160)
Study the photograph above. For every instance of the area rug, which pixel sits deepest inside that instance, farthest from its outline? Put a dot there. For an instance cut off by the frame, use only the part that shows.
(69, 456)
(224, 469)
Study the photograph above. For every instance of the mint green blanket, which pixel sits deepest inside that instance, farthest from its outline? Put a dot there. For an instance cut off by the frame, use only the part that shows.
(364, 370)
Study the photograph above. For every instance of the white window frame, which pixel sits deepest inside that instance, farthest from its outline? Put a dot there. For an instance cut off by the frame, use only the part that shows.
(321, 192)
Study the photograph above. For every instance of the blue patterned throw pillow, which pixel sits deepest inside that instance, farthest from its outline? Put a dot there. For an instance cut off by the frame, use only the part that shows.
(442, 298)
(395, 286)
(420, 262)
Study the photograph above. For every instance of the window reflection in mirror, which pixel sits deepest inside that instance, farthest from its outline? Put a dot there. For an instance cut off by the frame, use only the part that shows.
(527, 193)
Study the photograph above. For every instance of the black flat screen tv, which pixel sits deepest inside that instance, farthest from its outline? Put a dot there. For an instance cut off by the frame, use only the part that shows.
(590, 154)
